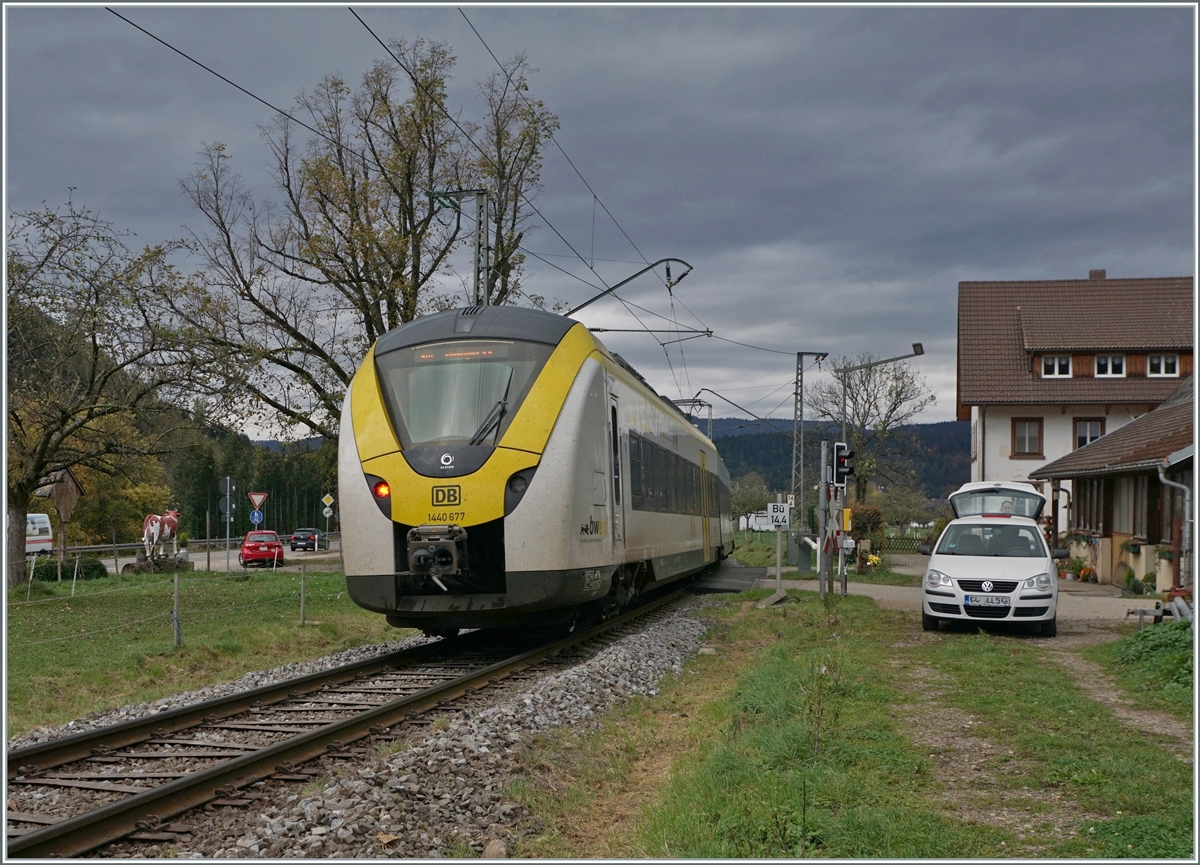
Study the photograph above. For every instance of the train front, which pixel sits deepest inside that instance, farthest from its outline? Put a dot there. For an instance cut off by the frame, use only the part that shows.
(443, 430)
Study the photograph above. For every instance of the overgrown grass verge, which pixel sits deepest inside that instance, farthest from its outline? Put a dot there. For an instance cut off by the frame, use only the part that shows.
(791, 742)
(113, 643)
(1155, 666)
(757, 550)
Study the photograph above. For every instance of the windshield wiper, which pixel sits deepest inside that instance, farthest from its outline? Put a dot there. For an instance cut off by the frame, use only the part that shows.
(492, 421)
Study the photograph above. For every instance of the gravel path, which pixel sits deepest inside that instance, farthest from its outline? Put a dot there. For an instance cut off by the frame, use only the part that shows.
(439, 793)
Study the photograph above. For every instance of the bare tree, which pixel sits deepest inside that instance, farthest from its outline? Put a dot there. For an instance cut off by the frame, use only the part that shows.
(879, 401)
(356, 244)
(95, 365)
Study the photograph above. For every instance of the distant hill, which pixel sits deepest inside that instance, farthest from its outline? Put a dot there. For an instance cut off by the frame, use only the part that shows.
(942, 463)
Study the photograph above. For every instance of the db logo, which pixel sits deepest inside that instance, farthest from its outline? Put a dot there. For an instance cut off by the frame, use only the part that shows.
(443, 496)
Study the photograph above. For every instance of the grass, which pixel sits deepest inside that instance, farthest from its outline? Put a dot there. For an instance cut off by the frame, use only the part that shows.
(757, 550)
(790, 742)
(1155, 666)
(113, 643)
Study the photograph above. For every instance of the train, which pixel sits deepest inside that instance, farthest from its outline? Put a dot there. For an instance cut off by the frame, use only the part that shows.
(499, 467)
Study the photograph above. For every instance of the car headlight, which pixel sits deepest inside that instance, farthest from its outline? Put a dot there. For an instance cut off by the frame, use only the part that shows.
(936, 578)
(1041, 582)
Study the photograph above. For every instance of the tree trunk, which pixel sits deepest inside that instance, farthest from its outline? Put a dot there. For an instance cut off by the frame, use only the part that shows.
(17, 572)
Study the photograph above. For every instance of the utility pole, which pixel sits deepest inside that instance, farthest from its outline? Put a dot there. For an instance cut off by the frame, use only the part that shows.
(823, 522)
(483, 294)
(798, 447)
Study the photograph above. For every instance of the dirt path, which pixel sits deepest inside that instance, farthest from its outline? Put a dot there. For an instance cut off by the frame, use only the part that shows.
(972, 770)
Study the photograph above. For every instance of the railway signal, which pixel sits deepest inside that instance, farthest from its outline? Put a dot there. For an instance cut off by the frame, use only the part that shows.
(843, 464)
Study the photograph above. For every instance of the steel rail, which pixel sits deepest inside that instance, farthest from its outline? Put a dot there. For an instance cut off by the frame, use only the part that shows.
(56, 752)
(76, 835)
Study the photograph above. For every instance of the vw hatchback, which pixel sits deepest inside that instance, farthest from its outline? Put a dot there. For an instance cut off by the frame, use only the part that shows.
(991, 562)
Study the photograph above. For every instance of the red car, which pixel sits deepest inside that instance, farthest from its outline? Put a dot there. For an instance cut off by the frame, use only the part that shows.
(262, 548)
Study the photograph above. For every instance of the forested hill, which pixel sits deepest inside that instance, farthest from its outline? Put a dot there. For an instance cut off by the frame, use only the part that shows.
(941, 464)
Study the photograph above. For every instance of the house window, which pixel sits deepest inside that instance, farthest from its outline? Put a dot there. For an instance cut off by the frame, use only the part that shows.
(1110, 366)
(1056, 366)
(1163, 366)
(1087, 430)
(1088, 510)
(1129, 505)
(1026, 437)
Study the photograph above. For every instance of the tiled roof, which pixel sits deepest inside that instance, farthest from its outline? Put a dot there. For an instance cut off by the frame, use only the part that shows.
(1002, 324)
(1140, 444)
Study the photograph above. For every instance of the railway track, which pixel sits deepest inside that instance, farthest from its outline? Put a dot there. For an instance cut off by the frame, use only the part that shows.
(132, 778)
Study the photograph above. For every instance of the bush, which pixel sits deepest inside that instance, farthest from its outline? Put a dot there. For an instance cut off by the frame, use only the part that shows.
(866, 521)
(1163, 654)
(90, 568)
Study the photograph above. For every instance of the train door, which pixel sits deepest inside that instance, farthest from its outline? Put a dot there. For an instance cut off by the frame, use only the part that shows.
(618, 504)
(704, 506)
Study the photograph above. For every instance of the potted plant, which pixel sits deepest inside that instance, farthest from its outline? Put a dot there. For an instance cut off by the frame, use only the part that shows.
(1087, 574)
(1072, 568)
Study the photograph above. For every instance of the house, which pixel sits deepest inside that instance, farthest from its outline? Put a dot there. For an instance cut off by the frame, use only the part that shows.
(1048, 366)
(1124, 519)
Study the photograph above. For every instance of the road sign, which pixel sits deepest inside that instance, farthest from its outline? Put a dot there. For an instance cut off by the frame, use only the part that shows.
(779, 513)
(327, 501)
(225, 505)
(257, 500)
(791, 500)
(256, 516)
(328, 513)
(227, 487)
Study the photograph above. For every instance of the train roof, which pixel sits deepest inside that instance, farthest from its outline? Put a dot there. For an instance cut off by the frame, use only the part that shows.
(478, 322)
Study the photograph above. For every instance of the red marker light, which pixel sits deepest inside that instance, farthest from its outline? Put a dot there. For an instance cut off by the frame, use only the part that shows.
(382, 490)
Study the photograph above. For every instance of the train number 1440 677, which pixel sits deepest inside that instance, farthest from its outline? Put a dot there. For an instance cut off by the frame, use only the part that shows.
(448, 517)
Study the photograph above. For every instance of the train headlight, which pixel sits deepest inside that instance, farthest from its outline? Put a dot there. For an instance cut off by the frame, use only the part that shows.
(514, 490)
(381, 493)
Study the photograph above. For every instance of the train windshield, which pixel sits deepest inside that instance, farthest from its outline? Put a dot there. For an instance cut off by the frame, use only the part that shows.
(458, 392)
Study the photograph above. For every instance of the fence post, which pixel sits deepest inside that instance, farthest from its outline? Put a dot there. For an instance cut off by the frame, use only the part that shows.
(175, 614)
(75, 576)
(207, 541)
(32, 574)
(303, 586)
(116, 564)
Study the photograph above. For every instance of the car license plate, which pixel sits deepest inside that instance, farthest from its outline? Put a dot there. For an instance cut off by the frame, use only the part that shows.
(986, 600)
(263, 549)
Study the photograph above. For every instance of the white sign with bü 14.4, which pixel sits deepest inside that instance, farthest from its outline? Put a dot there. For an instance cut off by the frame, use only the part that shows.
(779, 513)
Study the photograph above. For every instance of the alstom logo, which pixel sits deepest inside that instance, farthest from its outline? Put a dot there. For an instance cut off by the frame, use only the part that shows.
(445, 496)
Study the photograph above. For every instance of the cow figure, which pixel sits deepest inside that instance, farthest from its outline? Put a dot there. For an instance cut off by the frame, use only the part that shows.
(156, 531)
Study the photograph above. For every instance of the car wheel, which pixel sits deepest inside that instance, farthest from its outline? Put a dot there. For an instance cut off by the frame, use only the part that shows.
(241, 561)
(928, 622)
(1050, 628)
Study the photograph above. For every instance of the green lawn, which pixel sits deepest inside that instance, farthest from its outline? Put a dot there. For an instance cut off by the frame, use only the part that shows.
(113, 643)
(757, 550)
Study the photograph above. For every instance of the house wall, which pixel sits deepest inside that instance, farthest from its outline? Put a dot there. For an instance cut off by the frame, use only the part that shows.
(991, 440)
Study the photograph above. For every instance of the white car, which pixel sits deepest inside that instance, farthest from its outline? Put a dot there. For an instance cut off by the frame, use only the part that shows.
(991, 563)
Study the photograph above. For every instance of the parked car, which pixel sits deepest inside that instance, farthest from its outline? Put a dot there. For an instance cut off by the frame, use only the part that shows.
(991, 563)
(262, 548)
(309, 539)
(38, 538)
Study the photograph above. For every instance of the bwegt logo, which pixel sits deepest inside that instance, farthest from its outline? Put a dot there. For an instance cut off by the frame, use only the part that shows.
(444, 496)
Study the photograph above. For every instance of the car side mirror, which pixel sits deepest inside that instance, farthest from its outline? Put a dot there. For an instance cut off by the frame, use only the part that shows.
(1061, 554)
(924, 550)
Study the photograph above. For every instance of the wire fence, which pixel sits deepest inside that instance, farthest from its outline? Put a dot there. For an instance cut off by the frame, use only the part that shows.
(176, 612)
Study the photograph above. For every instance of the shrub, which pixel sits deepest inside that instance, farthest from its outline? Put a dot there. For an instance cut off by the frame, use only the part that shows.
(1162, 653)
(90, 568)
(866, 521)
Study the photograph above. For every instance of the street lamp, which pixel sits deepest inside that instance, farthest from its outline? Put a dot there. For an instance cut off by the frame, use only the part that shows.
(841, 373)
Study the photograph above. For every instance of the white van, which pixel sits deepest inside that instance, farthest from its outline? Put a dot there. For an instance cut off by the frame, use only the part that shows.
(38, 535)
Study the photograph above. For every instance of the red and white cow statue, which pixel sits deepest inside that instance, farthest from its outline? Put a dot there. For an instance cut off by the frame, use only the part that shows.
(156, 531)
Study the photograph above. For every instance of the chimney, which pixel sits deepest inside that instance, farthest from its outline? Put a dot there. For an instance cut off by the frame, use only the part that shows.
(1097, 274)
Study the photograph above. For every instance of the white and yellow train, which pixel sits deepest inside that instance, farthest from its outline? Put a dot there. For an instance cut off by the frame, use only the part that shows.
(498, 466)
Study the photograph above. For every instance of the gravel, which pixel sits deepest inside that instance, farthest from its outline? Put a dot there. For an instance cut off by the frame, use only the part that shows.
(187, 698)
(445, 792)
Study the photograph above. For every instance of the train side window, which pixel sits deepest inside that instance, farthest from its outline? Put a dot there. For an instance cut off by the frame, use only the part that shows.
(696, 490)
(616, 459)
(660, 478)
(635, 472)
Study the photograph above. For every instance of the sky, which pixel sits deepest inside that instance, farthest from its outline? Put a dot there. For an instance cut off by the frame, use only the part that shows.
(830, 173)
